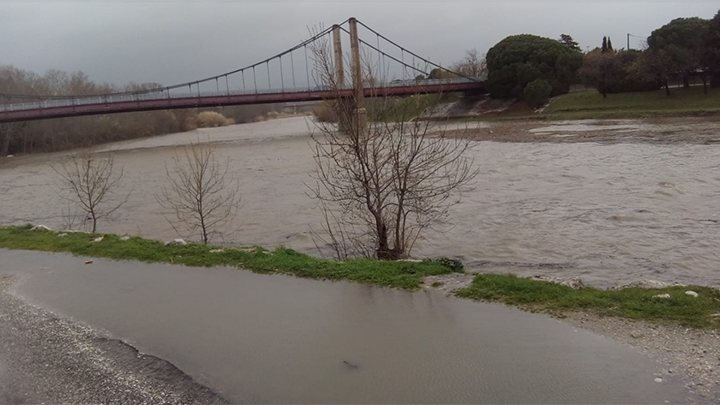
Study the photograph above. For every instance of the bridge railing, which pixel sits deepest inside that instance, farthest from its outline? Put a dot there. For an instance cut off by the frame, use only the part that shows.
(166, 94)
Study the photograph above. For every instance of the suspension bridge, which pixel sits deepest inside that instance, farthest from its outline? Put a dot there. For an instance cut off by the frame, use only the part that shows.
(378, 67)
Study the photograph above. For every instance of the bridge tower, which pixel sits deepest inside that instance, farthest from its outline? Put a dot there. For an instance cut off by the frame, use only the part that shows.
(357, 78)
(337, 46)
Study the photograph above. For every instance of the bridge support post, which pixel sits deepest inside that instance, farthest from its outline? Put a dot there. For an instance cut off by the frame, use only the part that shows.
(337, 47)
(357, 78)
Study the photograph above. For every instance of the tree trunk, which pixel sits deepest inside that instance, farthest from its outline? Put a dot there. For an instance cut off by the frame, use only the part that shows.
(383, 248)
(704, 79)
(6, 132)
(686, 80)
(667, 88)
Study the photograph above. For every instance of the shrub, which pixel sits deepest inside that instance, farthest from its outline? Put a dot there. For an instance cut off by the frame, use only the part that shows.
(211, 119)
(456, 266)
(537, 92)
(323, 113)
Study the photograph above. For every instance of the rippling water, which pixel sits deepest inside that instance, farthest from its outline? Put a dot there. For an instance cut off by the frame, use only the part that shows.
(609, 213)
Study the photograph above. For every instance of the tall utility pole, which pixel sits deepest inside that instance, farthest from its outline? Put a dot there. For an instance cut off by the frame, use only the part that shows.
(357, 77)
(339, 69)
(628, 41)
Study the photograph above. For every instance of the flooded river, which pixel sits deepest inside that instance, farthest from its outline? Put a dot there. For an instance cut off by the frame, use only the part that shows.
(277, 339)
(609, 212)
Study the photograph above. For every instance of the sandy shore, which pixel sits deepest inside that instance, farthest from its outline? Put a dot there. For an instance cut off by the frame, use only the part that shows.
(45, 359)
(657, 131)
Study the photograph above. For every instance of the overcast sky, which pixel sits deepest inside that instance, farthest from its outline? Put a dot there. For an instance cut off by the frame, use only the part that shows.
(171, 42)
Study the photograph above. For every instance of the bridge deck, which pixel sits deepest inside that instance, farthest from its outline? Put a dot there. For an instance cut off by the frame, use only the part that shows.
(29, 114)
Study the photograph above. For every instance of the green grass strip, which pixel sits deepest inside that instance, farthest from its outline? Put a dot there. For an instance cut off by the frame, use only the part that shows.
(633, 303)
(531, 295)
(403, 275)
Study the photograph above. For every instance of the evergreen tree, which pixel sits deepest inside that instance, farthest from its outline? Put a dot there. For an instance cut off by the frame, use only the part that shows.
(604, 48)
(569, 42)
(609, 45)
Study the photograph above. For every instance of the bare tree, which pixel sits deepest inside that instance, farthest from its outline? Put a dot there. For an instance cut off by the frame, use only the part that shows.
(91, 182)
(382, 184)
(201, 195)
(472, 65)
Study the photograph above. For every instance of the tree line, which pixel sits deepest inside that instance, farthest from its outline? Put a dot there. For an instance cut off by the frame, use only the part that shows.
(67, 133)
(535, 68)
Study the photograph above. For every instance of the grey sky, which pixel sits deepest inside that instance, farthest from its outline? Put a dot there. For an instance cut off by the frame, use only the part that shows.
(171, 42)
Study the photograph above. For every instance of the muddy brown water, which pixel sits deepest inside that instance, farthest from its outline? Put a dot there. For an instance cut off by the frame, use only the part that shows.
(277, 339)
(609, 212)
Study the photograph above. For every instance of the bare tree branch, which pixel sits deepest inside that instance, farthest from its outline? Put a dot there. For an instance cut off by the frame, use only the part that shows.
(382, 186)
(201, 194)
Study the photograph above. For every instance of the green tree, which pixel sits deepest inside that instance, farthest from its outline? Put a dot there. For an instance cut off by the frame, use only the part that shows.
(681, 45)
(713, 49)
(520, 59)
(569, 42)
(537, 93)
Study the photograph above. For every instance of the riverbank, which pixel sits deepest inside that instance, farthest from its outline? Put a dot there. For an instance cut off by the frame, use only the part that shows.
(699, 311)
(590, 104)
(403, 275)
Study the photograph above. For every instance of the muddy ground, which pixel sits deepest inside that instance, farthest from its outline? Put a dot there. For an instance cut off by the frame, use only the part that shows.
(700, 130)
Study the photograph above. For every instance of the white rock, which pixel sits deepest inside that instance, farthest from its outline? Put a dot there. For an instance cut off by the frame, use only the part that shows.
(40, 228)
(97, 239)
(125, 238)
(217, 250)
(692, 293)
(180, 242)
(10, 156)
(649, 284)
(658, 380)
(575, 283)
(663, 296)
(62, 235)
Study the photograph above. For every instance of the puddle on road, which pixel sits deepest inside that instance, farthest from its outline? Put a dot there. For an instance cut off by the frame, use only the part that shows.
(278, 339)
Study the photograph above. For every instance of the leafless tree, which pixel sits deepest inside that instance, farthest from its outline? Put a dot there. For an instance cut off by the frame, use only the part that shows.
(383, 184)
(92, 182)
(472, 65)
(201, 195)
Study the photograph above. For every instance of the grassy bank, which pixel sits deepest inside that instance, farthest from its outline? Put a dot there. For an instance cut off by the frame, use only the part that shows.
(633, 303)
(591, 105)
(527, 294)
(404, 275)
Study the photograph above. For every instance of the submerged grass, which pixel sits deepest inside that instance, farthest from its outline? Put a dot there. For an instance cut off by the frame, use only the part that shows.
(404, 275)
(531, 295)
(633, 303)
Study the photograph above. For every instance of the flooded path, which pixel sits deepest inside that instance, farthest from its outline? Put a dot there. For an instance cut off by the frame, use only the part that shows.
(609, 202)
(277, 339)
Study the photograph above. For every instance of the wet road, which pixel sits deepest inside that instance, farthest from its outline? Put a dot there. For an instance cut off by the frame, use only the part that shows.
(277, 339)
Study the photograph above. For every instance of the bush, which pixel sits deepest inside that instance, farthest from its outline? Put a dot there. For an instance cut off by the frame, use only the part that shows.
(212, 119)
(323, 113)
(537, 93)
(456, 266)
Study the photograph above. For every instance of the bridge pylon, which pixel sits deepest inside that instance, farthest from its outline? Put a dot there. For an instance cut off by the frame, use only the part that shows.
(357, 79)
